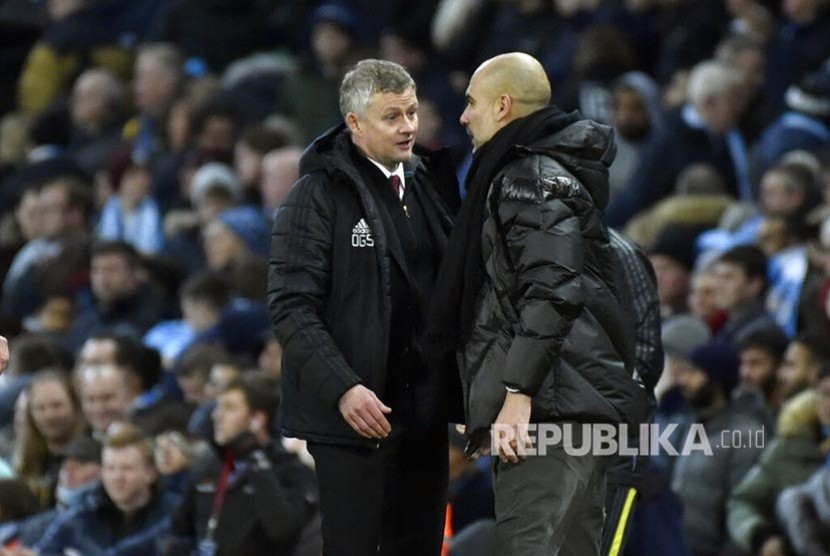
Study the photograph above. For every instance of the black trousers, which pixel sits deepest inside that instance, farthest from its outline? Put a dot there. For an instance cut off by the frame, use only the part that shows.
(390, 500)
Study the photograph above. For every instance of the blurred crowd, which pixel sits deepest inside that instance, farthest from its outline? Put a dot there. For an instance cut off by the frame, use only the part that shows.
(146, 146)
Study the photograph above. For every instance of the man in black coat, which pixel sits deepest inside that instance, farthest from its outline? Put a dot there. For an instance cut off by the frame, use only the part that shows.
(355, 249)
(255, 498)
(526, 292)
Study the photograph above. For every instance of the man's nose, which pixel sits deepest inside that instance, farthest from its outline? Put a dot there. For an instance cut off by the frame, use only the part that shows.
(408, 125)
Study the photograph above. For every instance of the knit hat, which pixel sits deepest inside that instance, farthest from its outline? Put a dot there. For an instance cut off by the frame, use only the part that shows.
(683, 334)
(678, 243)
(249, 225)
(339, 13)
(811, 95)
(212, 174)
(720, 362)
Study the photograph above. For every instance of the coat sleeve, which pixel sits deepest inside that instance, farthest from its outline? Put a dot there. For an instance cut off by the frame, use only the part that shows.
(299, 276)
(750, 512)
(286, 498)
(56, 536)
(545, 246)
(636, 276)
(796, 508)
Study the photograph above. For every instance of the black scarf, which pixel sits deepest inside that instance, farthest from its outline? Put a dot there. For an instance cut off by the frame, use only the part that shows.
(461, 275)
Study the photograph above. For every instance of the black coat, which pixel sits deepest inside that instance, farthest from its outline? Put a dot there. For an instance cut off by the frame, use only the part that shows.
(548, 320)
(329, 283)
(264, 509)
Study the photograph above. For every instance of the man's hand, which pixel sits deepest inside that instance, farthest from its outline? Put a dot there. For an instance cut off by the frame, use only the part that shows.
(774, 546)
(4, 353)
(512, 422)
(364, 412)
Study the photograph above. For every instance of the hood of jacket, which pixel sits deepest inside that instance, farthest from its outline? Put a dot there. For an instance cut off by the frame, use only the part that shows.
(586, 149)
(329, 152)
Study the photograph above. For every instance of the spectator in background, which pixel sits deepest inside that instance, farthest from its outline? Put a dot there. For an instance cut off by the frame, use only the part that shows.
(798, 450)
(235, 235)
(680, 334)
(603, 54)
(805, 359)
(804, 125)
(222, 369)
(213, 128)
(174, 455)
(20, 226)
(97, 108)
(79, 479)
(786, 190)
(803, 510)
(132, 215)
(122, 301)
(202, 298)
(310, 96)
(69, 45)
(193, 372)
(746, 55)
(280, 170)
(106, 396)
(702, 131)
(673, 258)
(158, 77)
(269, 496)
(213, 189)
(637, 117)
(761, 354)
(151, 405)
(704, 481)
(700, 203)
(66, 210)
(742, 274)
(55, 420)
(703, 299)
(782, 240)
(30, 354)
(250, 150)
(798, 47)
(131, 513)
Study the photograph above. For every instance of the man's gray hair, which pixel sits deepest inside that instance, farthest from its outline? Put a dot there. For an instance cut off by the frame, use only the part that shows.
(710, 79)
(369, 77)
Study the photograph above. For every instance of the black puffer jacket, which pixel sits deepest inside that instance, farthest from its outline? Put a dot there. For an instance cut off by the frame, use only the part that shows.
(329, 283)
(548, 320)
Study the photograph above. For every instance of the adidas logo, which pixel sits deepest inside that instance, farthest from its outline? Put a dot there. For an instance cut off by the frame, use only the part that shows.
(362, 235)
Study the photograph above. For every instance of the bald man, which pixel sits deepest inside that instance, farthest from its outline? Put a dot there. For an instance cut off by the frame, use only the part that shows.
(525, 295)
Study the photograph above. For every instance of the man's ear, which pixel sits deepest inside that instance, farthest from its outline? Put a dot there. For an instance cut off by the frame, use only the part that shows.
(353, 123)
(503, 107)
